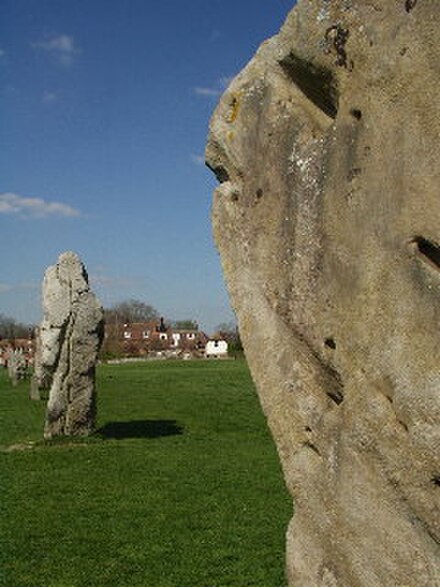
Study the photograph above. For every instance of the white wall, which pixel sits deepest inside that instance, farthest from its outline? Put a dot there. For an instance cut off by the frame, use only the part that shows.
(217, 348)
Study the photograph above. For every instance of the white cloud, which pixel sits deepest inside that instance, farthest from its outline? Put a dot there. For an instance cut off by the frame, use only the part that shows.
(215, 90)
(210, 92)
(61, 47)
(49, 97)
(198, 159)
(34, 207)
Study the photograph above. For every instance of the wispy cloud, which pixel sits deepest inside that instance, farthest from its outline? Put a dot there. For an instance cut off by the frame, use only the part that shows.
(101, 280)
(215, 90)
(2, 52)
(34, 207)
(110, 281)
(210, 92)
(7, 287)
(62, 48)
(198, 159)
(49, 97)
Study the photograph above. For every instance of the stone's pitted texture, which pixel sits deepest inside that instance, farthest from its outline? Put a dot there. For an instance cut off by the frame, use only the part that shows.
(34, 390)
(38, 383)
(70, 337)
(328, 224)
(17, 367)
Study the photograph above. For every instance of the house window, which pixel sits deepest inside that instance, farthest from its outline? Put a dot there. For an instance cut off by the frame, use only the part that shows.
(216, 343)
(191, 335)
(127, 334)
(163, 336)
(146, 334)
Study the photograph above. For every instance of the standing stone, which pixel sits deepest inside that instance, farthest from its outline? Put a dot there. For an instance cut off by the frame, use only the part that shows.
(17, 366)
(35, 390)
(328, 224)
(38, 382)
(70, 337)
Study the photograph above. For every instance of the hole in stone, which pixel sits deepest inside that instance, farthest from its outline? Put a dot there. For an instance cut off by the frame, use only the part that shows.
(259, 193)
(409, 5)
(355, 172)
(428, 250)
(316, 83)
(220, 172)
(356, 113)
(330, 343)
(338, 37)
(234, 196)
(436, 480)
(312, 447)
(336, 396)
(404, 426)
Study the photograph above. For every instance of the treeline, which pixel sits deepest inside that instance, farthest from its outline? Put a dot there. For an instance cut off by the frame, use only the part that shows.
(130, 311)
(125, 312)
(11, 329)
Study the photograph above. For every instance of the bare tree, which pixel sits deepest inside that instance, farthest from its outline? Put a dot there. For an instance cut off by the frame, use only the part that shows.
(11, 329)
(130, 311)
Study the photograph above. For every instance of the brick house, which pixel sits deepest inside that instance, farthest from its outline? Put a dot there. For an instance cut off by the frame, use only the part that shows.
(138, 339)
(25, 345)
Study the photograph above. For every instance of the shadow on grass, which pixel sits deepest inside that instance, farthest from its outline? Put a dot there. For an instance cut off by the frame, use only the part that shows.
(140, 429)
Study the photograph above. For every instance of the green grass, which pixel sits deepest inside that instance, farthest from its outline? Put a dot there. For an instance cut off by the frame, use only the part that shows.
(181, 488)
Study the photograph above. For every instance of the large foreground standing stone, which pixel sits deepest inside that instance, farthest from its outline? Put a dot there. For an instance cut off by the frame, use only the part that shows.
(70, 337)
(328, 223)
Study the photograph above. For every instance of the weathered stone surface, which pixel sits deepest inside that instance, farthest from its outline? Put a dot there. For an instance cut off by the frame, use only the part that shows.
(37, 383)
(70, 337)
(328, 223)
(17, 366)
(34, 390)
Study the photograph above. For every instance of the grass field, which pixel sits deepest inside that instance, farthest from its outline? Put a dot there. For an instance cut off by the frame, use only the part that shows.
(180, 487)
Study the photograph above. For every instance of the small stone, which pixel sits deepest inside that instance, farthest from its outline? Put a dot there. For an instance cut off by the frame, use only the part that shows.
(17, 366)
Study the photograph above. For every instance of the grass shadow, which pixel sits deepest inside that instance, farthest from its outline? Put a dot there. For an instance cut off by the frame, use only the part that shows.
(140, 429)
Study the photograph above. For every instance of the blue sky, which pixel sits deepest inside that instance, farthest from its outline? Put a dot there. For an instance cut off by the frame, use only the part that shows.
(104, 111)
